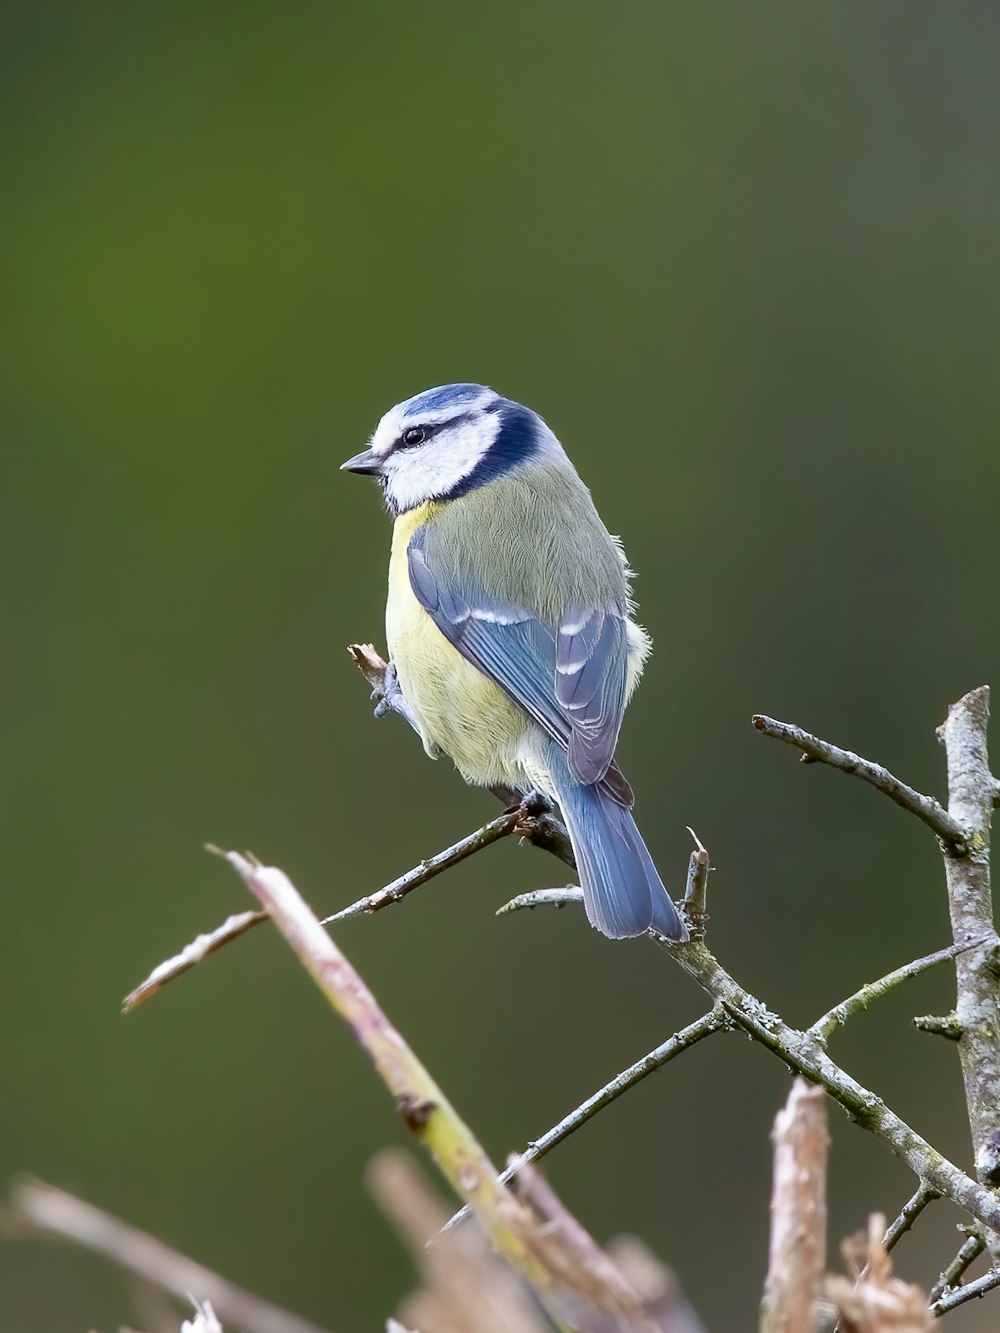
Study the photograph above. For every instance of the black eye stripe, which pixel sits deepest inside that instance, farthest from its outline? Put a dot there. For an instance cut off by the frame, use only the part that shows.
(414, 436)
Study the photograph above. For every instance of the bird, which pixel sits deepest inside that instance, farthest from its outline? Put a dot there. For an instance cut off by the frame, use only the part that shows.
(510, 627)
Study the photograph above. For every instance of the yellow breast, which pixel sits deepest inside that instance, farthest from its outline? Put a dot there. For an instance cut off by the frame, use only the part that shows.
(458, 709)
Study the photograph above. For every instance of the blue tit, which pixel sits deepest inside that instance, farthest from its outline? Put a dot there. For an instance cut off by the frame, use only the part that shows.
(509, 623)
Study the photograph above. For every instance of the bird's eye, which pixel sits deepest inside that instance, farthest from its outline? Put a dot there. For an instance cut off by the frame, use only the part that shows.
(415, 435)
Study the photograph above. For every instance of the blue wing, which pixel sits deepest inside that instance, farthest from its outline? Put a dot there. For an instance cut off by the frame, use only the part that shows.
(570, 678)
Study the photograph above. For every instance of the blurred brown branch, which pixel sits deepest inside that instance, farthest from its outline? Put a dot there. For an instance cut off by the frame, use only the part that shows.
(465, 1289)
(872, 1299)
(798, 1213)
(35, 1206)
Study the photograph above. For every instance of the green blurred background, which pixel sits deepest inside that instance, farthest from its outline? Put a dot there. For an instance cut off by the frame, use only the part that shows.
(743, 257)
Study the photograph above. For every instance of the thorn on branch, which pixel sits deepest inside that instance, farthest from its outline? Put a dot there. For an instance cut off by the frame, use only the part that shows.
(951, 832)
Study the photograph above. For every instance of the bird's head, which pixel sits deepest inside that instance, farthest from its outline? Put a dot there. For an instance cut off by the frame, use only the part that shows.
(444, 442)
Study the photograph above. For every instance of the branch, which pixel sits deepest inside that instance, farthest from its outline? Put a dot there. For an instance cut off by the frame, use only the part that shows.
(803, 1054)
(857, 1003)
(564, 897)
(972, 1291)
(46, 1208)
(940, 1025)
(971, 788)
(696, 889)
(381, 676)
(951, 1277)
(715, 1020)
(908, 1214)
(427, 1112)
(531, 820)
(798, 1213)
(200, 947)
(505, 824)
(952, 831)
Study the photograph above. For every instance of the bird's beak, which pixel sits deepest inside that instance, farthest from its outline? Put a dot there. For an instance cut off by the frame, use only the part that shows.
(365, 462)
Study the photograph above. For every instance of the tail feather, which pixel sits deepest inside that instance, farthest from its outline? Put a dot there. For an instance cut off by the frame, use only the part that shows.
(622, 891)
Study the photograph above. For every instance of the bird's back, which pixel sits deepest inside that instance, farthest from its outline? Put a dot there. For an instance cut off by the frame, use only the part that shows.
(548, 549)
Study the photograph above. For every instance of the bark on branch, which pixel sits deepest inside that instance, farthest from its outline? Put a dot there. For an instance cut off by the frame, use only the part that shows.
(970, 902)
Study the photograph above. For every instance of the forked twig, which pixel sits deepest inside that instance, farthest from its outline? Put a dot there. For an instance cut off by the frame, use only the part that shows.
(802, 1053)
(972, 1291)
(951, 1277)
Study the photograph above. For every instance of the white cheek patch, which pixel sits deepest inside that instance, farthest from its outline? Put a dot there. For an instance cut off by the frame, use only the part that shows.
(433, 470)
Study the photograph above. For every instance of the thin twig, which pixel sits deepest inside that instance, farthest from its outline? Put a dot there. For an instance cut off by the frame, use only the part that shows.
(972, 1291)
(802, 1053)
(857, 1003)
(908, 1214)
(716, 1020)
(977, 1009)
(501, 827)
(969, 1251)
(200, 947)
(45, 1208)
(949, 829)
(523, 822)
(798, 1212)
(563, 897)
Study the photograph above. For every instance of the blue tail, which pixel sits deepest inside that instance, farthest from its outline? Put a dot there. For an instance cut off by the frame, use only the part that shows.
(622, 892)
